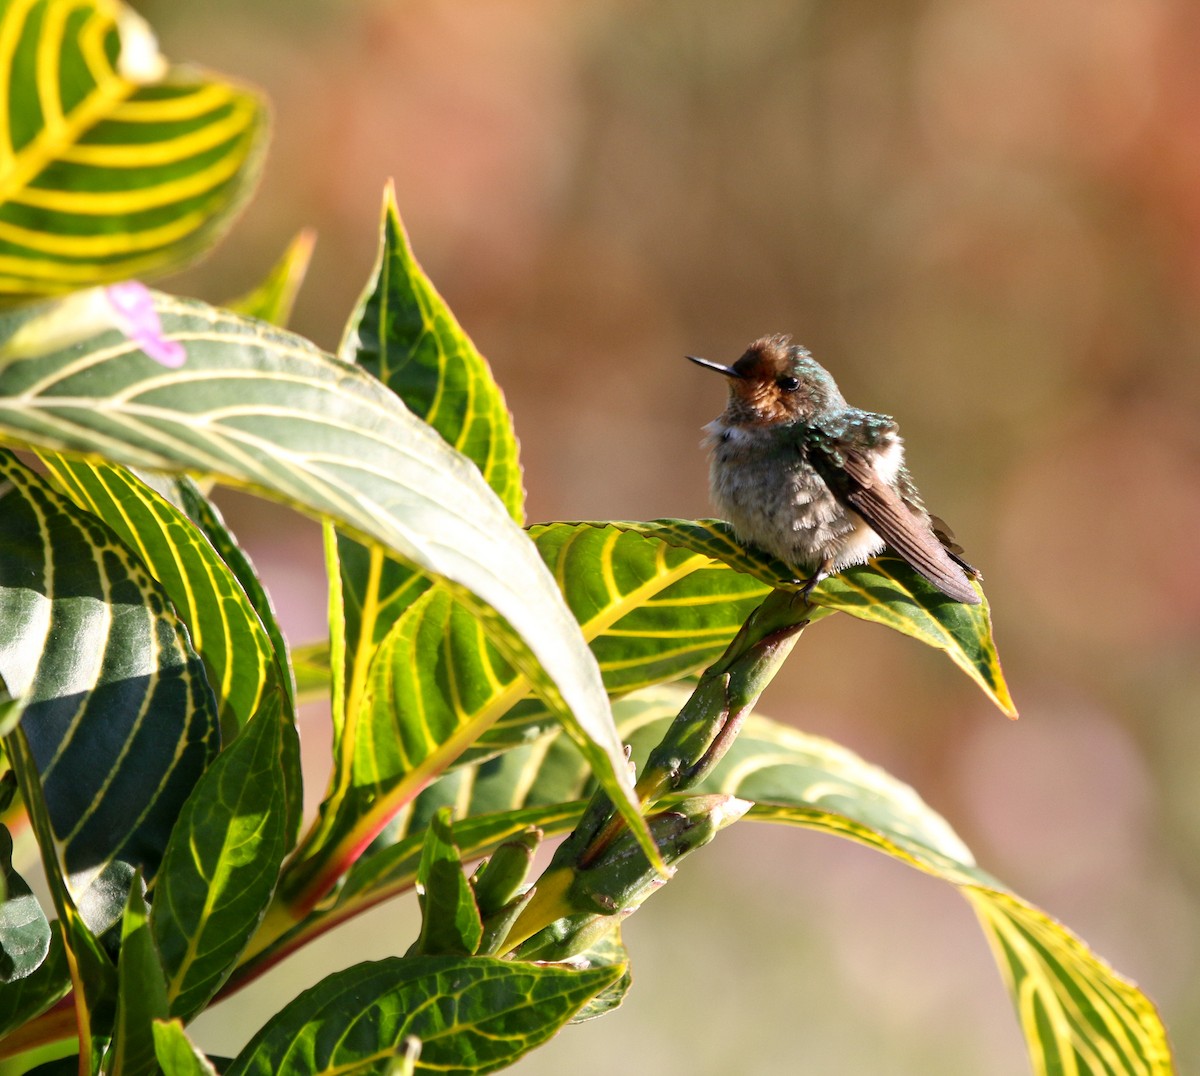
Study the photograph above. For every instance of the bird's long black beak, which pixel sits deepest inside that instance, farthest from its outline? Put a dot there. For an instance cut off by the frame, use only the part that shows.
(728, 371)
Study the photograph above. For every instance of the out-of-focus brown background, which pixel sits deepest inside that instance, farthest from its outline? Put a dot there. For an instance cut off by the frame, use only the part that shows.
(984, 217)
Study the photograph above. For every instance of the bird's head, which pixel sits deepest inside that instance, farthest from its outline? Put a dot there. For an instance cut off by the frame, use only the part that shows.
(776, 381)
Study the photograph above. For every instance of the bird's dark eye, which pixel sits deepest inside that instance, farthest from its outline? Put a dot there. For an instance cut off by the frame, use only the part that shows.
(788, 384)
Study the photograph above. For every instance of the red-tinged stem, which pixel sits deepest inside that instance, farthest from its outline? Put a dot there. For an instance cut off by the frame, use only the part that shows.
(56, 1024)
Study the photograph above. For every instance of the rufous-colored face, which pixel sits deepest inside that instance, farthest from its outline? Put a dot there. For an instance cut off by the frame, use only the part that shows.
(774, 381)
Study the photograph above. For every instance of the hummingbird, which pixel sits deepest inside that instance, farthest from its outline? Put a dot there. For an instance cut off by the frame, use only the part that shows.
(821, 485)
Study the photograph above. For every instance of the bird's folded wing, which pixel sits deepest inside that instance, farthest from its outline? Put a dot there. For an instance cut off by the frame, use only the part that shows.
(852, 479)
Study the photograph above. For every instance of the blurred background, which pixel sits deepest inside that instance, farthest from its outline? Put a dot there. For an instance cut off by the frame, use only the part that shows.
(984, 217)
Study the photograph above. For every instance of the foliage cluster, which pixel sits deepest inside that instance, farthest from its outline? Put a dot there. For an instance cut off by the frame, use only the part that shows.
(485, 676)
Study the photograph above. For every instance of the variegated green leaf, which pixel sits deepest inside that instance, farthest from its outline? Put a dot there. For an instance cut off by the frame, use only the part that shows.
(224, 627)
(1078, 1015)
(265, 409)
(205, 515)
(274, 298)
(470, 1014)
(223, 860)
(886, 590)
(118, 712)
(141, 991)
(404, 333)
(176, 1054)
(111, 165)
(437, 687)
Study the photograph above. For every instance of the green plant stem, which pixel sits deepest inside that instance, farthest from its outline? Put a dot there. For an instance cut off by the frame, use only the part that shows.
(696, 741)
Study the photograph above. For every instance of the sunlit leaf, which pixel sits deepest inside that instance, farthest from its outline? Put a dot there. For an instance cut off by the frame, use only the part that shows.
(261, 408)
(404, 333)
(175, 1052)
(111, 164)
(1077, 1013)
(438, 691)
(885, 590)
(471, 1015)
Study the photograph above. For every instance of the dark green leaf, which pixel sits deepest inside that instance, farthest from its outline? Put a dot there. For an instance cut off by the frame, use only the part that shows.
(116, 167)
(223, 861)
(450, 924)
(141, 991)
(118, 711)
(471, 1015)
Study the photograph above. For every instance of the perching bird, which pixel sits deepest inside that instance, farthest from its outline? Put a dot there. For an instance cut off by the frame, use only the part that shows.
(817, 483)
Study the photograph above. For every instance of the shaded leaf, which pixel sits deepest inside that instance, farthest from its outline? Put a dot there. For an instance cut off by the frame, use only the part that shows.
(450, 924)
(608, 951)
(141, 991)
(92, 974)
(121, 168)
(471, 1015)
(118, 713)
(261, 408)
(23, 999)
(24, 929)
(223, 860)
(274, 298)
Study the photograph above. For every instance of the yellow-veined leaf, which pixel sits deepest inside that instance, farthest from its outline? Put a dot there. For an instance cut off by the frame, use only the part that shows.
(112, 165)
